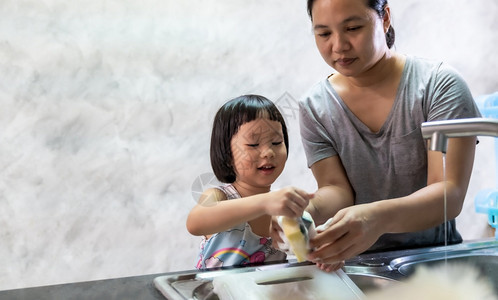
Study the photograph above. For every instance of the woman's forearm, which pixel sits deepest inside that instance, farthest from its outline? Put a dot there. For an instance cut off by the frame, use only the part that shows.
(421, 210)
(425, 208)
(327, 202)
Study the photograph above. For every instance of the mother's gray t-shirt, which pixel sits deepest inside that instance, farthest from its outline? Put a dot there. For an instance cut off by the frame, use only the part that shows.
(392, 162)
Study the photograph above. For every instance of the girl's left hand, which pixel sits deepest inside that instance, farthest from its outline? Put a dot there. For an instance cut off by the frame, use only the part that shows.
(353, 230)
(275, 233)
(330, 267)
(278, 237)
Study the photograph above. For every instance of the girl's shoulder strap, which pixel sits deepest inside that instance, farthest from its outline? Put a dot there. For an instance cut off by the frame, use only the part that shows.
(229, 190)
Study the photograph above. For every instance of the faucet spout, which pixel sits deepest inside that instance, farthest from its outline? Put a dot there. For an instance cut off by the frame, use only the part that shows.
(439, 131)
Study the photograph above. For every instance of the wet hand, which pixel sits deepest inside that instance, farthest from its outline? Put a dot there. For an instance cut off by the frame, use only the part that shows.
(277, 236)
(289, 202)
(330, 267)
(352, 231)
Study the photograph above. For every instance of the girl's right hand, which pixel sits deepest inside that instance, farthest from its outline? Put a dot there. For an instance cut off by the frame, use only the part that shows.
(289, 202)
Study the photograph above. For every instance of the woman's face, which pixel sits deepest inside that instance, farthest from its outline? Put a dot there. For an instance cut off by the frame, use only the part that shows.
(349, 35)
(259, 153)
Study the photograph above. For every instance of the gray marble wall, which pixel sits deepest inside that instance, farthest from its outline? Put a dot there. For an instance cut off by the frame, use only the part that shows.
(106, 108)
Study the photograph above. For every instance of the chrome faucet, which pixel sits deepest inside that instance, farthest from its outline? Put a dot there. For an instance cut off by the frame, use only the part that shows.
(439, 131)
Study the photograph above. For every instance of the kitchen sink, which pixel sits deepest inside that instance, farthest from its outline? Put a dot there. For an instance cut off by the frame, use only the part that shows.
(369, 282)
(368, 271)
(485, 262)
(400, 265)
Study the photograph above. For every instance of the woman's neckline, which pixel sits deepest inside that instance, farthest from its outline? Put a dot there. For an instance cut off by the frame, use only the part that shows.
(363, 126)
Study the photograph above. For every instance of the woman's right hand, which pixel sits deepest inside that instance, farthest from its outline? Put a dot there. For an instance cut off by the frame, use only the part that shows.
(289, 202)
(352, 231)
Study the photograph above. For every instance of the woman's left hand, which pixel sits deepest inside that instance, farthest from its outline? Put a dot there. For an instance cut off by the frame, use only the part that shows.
(353, 230)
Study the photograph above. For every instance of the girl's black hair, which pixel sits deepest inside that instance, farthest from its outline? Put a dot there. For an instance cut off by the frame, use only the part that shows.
(227, 122)
(377, 5)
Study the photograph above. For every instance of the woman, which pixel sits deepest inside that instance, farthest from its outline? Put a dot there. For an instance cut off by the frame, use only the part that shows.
(361, 134)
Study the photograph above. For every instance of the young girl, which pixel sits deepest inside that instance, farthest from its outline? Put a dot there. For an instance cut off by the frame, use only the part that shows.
(249, 146)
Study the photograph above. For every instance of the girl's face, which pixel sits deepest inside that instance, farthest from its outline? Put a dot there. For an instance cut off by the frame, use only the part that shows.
(259, 153)
(349, 35)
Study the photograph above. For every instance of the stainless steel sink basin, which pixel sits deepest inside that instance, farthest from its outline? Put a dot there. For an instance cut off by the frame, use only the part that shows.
(485, 263)
(368, 282)
(400, 265)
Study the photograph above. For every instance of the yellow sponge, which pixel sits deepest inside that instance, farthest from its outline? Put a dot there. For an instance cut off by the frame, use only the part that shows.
(297, 239)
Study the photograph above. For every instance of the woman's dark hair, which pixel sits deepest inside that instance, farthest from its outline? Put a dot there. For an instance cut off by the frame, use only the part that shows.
(377, 5)
(227, 122)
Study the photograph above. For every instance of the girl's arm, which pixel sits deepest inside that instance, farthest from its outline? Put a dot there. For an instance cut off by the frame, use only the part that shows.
(215, 214)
